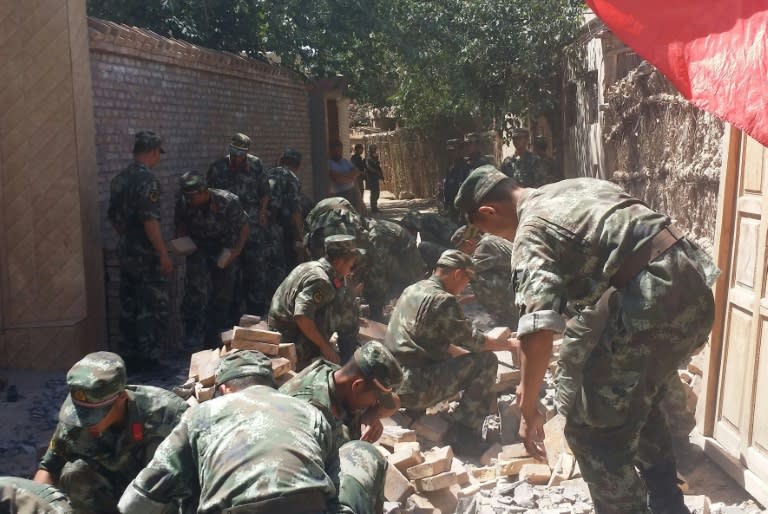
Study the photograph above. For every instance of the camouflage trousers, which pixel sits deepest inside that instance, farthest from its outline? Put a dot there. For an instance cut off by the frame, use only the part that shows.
(473, 373)
(373, 185)
(614, 381)
(21, 496)
(362, 476)
(89, 491)
(143, 307)
(208, 290)
(263, 268)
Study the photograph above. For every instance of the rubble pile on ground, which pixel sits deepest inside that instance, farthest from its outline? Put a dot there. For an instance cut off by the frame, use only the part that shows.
(250, 334)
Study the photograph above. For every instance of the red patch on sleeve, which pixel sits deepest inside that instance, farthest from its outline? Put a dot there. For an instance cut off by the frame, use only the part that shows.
(137, 431)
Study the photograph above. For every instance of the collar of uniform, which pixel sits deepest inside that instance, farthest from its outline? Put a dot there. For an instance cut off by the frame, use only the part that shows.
(326, 265)
(336, 407)
(522, 200)
(242, 167)
(437, 281)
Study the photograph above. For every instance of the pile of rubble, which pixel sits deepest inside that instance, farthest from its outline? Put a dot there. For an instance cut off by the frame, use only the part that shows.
(250, 334)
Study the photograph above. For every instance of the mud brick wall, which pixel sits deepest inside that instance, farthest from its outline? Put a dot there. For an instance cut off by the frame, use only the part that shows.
(195, 99)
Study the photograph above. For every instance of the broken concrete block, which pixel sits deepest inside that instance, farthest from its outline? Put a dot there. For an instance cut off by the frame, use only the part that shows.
(285, 377)
(436, 482)
(437, 460)
(462, 475)
(509, 417)
(513, 451)
(270, 350)
(280, 366)
(445, 500)
(405, 459)
(525, 496)
(288, 351)
(577, 485)
(251, 334)
(396, 487)
(410, 446)
(392, 508)
(248, 320)
(226, 337)
(483, 474)
(499, 333)
(537, 474)
(697, 504)
(372, 330)
(203, 393)
(182, 246)
(554, 439)
(203, 365)
(490, 454)
(394, 434)
(505, 468)
(418, 504)
(431, 427)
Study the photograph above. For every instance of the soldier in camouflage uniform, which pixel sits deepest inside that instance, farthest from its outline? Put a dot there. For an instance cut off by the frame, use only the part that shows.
(251, 450)
(307, 305)
(107, 432)
(492, 283)
(525, 168)
(455, 174)
(285, 217)
(472, 154)
(216, 222)
(393, 264)
(573, 241)
(433, 231)
(331, 216)
(354, 399)
(373, 176)
(22, 496)
(134, 212)
(439, 351)
(242, 174)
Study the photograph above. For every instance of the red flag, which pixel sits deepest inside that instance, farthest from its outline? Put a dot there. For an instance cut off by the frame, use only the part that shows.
(714, 51)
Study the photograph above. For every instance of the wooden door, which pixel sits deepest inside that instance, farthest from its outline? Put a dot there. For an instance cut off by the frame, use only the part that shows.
(741, 412)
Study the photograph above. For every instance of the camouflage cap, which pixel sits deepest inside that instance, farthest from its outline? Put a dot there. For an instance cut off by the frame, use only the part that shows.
(520, 132)
(240, 144)
(146, 141)
(456, 259)
(94, 382)
(464, 233)
(291, 155)
(478, 184)
(341, 244)
(192, 182)
(245, 363)
(379, 365)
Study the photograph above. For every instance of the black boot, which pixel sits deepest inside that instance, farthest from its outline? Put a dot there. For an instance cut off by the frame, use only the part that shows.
(664, 495)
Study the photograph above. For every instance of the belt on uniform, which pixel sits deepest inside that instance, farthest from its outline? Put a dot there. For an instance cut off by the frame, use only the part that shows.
(298, 503)
(648, 252)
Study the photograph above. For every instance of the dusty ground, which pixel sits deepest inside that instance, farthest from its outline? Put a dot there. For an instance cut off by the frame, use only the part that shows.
(26, 425)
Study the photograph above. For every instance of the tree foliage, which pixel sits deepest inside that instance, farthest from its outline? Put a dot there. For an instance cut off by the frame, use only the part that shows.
(438, 62)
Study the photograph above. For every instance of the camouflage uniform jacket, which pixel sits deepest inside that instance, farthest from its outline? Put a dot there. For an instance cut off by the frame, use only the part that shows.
(436, 229)
(134, 198)
(395, 262)
(213, 226)
(528, 170)
(572, 237)
(373, 169)
(285, 193)
(331, 216)
(249, 184)
(426, 320)
(22, 496)
(492, 283)
(314, 384)
(309, 287)
(239, 449)
(119, 454)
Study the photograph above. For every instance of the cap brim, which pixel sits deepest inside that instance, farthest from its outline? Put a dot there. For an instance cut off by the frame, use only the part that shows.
(84, 417)
(237, 151)
(381, 386)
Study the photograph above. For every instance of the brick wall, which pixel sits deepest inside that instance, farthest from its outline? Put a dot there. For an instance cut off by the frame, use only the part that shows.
(195, 99)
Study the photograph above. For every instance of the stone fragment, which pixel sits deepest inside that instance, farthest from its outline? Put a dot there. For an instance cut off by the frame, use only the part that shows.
(436, 482)
(483, 474)
(418, 504)
(280, 366)
(227, 337)
(436, 461)
(525, 496)
(505, 468)
(203, 365)
(499, 333)
(391, 508)
(203, 393)
(248, 320)
(410, 445)
(431, 427)
(288, 351)
(396, 487)
(513, 451)
(509, 416)
(577, 485)
(554, 439)
(405, 459)
(393, 434)
(537, 474)
(462, 475)
(697, 504)
(444, 500)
